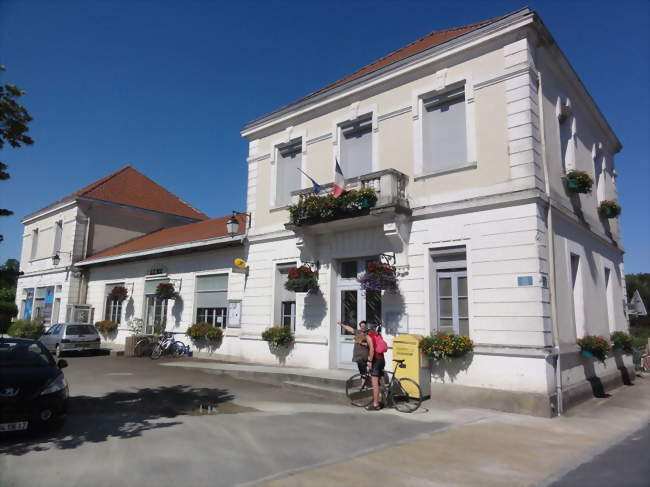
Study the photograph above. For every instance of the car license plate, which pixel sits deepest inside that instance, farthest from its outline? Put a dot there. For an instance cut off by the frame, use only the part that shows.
(82, 345)
(21, 425)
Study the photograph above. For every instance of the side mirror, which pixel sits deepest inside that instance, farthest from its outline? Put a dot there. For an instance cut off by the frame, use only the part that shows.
(62, 364)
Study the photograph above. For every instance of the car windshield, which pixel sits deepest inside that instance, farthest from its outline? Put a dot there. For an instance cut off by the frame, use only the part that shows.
(21, 354)
(80, 330)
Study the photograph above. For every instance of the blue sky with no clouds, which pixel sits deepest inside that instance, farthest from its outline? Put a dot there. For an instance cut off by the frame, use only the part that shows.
(167, 85)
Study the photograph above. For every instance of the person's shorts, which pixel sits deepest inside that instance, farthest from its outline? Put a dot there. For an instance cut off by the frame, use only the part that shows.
(377, 369)
(363, 366)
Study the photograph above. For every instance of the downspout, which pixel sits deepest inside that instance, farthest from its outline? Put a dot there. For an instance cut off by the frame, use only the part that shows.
(551, 252)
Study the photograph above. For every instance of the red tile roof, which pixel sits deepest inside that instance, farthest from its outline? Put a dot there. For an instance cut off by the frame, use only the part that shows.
(130, 187)
(193, 232)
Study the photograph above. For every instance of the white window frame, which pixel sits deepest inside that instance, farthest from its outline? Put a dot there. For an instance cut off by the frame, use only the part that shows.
(441, 84)
(289, 135)
(565, 115)
(355, 111)
(276, 308)
(58, 237)
(577, 291)
(222, 272)
(292, 314)
(33, 255)
(454, 275)
(108, 287)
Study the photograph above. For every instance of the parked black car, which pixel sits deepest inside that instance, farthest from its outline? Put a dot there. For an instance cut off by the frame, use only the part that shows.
(33, 390)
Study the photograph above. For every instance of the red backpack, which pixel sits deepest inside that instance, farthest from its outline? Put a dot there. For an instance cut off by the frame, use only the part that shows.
(379, 343)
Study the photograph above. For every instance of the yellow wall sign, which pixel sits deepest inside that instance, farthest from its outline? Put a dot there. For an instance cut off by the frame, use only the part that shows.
(407, 348)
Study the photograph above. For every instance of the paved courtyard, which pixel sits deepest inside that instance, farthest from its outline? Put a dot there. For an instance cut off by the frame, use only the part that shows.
(133, 422)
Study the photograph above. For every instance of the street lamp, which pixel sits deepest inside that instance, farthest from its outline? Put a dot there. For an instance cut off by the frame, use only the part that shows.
(232, 224)
(56, 259)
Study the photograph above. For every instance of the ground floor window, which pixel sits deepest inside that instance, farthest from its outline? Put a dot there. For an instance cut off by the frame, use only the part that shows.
(452, 302)
(285, 300)
(214, 316)
(288, 314)
(156, 314)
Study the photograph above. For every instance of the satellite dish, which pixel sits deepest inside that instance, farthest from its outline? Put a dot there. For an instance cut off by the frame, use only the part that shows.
(240, 263)
(636, 307)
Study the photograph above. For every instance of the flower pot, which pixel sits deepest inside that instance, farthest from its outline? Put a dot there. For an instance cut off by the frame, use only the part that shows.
(571, 184)
(586, 353)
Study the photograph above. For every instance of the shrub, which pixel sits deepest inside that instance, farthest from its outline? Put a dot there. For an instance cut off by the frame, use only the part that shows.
(106, 326)
(445, 346)
(317, 209)
(204, 331)
(379, 277)
(301, 280)
(578, 181)
(596, 345)
(609, 209)
(278, 336)
(26, 329)
(622, 341)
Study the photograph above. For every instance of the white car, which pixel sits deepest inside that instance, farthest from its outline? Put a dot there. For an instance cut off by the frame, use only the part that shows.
(71, 337)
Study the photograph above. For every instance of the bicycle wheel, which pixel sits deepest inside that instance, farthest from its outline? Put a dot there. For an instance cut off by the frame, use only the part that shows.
(141, 347)
(405, 395)
(178, 350)
(359, 390)
(156, 352)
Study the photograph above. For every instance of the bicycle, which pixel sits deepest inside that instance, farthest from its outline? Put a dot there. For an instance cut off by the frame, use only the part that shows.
(143, 346)
(168, 345)
(403, 394)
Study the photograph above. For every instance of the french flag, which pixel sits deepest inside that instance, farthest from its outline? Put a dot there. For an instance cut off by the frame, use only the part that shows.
(339, 181)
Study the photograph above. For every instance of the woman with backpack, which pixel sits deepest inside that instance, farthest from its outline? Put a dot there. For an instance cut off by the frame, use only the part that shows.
(377, 346)
(360, 350)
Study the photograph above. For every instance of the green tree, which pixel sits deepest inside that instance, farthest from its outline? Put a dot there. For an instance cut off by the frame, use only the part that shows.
(9, 273)
(639, 325)
(14, 125)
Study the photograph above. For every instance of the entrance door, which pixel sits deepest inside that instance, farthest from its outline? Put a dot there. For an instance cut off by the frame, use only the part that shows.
(354, 305)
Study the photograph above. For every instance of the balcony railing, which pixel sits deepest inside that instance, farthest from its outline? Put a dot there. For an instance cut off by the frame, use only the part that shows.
(371, 194)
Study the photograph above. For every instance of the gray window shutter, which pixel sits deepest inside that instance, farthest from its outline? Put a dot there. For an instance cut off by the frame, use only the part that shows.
(211, 299)
(58, 232)
(150, 285)
(215, 282)
(288, 178)
(444, 132)
(356, 147)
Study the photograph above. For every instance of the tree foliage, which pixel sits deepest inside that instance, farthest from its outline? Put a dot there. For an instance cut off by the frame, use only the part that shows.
(14, 125)
(9, 273)
(640, 282)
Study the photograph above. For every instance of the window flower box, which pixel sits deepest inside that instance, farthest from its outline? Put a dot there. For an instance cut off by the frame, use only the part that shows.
(622, 341)
(278, 337)
(446, 346)
(578, 181)
(609, 209)
(312, 209)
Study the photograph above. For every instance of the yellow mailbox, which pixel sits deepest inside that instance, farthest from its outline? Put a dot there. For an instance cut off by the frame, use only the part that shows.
(406, 347)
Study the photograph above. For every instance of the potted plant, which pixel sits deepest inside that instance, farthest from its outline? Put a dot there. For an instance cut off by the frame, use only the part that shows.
(278, 336)
(106, 327)
(578, 181)
(204, 331)
(594, 346)
(379, 277)
(446, 346)
(301, 280)
(165, 290)
(609, 209)
(119, 292)
(622, 341)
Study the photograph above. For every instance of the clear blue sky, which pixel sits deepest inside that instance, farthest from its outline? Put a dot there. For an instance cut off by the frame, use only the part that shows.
(167, 85)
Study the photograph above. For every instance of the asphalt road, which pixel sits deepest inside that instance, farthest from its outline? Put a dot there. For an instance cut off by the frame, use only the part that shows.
(133, 422)
(625, 464)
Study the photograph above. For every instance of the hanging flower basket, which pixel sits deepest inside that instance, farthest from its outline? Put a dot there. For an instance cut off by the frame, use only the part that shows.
(593, 345)
(578, 181)
(379, 277)
(622, 341)
(119, 292)
(301, 280)
(278, 337)
(609, 209)
(204, 331)
(446, 346)
(165, 290)
(314, 209)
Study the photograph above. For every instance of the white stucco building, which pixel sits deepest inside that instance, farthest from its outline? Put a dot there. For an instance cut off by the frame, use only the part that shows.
(465, 136)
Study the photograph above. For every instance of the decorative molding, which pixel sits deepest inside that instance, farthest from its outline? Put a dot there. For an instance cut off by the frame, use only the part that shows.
(320, 138)
(395, 113)
(504, 77)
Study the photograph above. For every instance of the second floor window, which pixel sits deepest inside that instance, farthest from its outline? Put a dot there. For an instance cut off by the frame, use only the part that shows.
(58, 234)
(444, 131)
(34, 251)
(288, 178)
(356, 147)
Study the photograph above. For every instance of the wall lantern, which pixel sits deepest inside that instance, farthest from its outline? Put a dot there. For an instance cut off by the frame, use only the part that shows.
(232, 225)
(56, 258)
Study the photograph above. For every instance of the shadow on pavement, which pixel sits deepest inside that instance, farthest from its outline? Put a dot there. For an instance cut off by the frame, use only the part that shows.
(120, 414)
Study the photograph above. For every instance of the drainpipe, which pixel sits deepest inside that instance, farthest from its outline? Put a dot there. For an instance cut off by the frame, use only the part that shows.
(551, 252)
